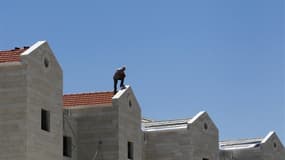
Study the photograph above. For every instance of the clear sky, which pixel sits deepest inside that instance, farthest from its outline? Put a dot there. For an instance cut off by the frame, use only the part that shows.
(182, 56)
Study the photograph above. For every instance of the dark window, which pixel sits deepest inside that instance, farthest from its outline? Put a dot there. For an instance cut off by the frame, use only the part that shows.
(274, 145)
(46, 62)
(205, 126)
(67, 146)
(45, 122)
(205, 159)
(130, 103)
(130, 150)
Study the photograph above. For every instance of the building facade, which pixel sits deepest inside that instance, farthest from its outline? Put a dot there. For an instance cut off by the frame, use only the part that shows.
(38, 122)
(30, 104)
(269, 147)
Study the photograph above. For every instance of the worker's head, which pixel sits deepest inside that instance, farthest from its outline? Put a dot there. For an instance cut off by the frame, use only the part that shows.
(123, 67)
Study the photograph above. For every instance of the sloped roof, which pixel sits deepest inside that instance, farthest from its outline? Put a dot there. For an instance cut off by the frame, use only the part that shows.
(240, 144)
(83, 99)
(146, 120)
(165, 125)
(11, 55)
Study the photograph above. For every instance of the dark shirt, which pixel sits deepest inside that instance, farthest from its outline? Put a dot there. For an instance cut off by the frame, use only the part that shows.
(119, 74)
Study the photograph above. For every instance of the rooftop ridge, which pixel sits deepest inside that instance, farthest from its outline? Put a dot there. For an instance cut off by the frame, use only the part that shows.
(146, 120)
(91, 92)
(169, 120)
(240, 144)
(161, 125)
(242, 139)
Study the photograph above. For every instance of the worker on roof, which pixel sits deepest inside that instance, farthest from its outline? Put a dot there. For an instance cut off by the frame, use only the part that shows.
(119, 75)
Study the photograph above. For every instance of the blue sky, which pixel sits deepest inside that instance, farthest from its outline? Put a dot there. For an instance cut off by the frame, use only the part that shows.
(224, 56)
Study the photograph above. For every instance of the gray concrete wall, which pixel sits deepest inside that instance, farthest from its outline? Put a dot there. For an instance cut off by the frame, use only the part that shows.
(259, 153)
(44, 91)
(269, 149)
(168, 145)
(193, 143)
(272, 148)
(129, 124)
(13, 96)
(97, 132)
(242, 154)
(70, 129)
(204, 139)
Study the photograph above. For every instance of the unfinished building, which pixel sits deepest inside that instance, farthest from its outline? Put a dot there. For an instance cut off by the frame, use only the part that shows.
(38, 122)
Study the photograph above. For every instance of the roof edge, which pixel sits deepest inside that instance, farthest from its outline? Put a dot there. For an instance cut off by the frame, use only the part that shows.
(197, 116)
(32, 48)
(87, 106)
(268, 136)
(153, 121)
(121, 92)
(241, 139)
(163, 129)
(80, 93)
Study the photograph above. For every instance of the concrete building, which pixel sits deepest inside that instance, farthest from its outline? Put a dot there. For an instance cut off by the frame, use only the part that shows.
(38, 122)
(194, 138)
(30, 104)
(269, 147)
(104, 126)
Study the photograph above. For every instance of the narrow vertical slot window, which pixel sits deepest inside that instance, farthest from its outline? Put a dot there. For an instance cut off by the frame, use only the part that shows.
(45, 120)
(67, 146)
(130, 150)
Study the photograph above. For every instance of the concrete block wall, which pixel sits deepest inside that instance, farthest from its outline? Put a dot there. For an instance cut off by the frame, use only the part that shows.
(70, 129)
(194, 142)
(13, 97)
(44, 91)
(204, 137)
(129, 116)
(97, 132)
(268, 148)
(272, 148)
(168, 145)
(242, 154)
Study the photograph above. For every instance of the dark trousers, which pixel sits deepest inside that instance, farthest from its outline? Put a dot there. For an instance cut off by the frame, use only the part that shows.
(116, 82)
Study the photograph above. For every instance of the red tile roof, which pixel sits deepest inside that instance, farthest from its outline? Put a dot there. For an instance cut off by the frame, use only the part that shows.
(80, 99)
(11, 55)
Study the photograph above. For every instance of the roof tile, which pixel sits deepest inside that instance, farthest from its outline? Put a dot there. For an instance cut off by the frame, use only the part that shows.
(11, 55)
(81, 99)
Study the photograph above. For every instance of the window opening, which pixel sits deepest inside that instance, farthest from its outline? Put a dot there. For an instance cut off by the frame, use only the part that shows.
(45, 120)
(274, 145)
(205, 126)
(67, 146)
(130, 150)
(46, 62)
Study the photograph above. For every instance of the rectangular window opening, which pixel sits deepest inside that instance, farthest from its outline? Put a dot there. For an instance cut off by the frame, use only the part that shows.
(45, 120)
(67, 146)
(205, 159)
(130, 150)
